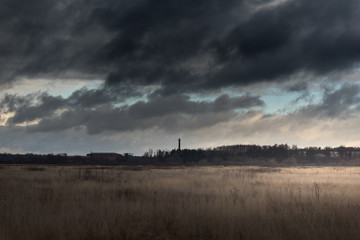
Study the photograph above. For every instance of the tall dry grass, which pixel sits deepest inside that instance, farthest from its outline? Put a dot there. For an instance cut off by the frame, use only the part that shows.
(46, 202)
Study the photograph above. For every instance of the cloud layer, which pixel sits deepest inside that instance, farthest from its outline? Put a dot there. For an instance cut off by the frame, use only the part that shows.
(181, 47)
(171, 113)
(174, 66)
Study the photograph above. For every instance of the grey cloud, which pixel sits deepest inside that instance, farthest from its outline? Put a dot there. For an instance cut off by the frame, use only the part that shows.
(278, 42)
(152, 42)
(179, 47)
(160, 106)
(30, 107)
(47, 106)
(225, 102)
(272, 44)
(169, 113)
(297, 87)
(39, 105)
(340, 103)
(89, 98)
(100, 120)
(11, 102)
(43, 39)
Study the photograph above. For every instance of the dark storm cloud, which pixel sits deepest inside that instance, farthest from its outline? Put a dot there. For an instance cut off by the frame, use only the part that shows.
(44, 39)
(297, 87)
(312, 36)
(164, 49)
(48, 105)
(169, 113)
(12, 102)
(339, 103)
(180, 46)
(160, 106)
(30, 107)
(41, 105)
(89, 98)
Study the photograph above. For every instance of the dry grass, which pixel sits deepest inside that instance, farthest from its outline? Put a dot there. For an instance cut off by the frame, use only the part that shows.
(207, 203)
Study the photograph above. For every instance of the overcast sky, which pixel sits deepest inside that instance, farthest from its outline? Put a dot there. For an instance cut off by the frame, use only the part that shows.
(125, 76)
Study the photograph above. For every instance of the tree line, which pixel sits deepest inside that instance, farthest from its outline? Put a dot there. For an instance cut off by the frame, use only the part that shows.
(223, 155)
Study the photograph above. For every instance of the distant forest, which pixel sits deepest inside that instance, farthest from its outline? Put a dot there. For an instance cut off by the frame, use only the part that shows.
(281, 154)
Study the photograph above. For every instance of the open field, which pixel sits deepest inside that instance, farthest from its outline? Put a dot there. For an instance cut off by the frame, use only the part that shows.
(48, 202)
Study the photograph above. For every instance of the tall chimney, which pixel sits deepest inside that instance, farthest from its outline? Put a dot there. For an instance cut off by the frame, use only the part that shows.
(179, 146)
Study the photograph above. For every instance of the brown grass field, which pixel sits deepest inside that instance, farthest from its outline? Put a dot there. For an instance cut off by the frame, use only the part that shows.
(49, 202)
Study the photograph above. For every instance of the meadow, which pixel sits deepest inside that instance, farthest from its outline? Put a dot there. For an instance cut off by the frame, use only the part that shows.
(72, 203)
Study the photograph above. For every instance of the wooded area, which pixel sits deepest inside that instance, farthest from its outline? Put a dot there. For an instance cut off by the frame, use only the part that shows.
(281, 154)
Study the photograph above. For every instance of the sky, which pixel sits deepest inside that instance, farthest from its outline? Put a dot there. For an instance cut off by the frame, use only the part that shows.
(127, 76)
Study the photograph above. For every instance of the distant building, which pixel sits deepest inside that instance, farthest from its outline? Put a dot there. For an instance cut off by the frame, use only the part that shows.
(104, 156)
(334, 154)
(355, 154)
(320, 155)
